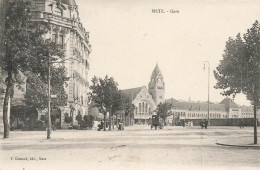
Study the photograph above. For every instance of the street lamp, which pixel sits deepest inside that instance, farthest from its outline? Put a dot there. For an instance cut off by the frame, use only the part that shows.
(208, 84)
(49, 90)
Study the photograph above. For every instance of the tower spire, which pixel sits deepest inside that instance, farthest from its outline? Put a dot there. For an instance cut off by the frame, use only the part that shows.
(156, 85)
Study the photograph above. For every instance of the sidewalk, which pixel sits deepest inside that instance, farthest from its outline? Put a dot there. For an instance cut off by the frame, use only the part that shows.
(245, 141)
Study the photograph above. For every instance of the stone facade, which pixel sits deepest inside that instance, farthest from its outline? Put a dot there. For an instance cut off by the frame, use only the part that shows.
(157, 86)
(146, 100)
(67, 30)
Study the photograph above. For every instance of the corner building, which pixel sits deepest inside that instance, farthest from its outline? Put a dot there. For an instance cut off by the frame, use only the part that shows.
(67, 30)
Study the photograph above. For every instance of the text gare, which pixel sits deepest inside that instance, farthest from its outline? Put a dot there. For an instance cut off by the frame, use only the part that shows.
(164, 11)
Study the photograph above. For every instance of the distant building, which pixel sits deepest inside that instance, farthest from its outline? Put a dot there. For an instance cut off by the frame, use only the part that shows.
(67, 30)
(226, 109)
(146, 100)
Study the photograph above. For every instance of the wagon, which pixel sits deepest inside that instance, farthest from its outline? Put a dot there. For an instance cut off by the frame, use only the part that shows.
(156, 121)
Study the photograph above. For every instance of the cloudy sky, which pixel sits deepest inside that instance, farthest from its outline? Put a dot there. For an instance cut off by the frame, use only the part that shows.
(128, 40)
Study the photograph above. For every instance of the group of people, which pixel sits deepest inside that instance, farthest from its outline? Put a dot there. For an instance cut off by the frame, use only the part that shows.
(101, 126)
(204, 123)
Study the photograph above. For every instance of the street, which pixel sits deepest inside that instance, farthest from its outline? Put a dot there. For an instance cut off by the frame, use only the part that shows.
(136, 147)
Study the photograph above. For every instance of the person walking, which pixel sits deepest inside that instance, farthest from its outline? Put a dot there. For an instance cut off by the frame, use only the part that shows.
(206, 124)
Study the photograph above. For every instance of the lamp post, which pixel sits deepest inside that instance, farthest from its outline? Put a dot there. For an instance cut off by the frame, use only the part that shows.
(49, 90)
(208, 85)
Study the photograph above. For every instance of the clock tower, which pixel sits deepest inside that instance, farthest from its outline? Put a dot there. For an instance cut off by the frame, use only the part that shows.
(156, 86)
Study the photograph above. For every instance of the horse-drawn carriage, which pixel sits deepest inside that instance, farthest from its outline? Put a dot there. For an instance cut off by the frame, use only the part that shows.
(156, 121)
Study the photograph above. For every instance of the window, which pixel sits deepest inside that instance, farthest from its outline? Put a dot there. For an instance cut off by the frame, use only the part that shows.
(86, 63)
(140, 108)
(58, 11)
(55, 38)
(146, 107)
(61, 41)
(143, 107)
(82, 100)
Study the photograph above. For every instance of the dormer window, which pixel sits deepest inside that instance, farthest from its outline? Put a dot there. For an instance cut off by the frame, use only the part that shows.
(58, 11)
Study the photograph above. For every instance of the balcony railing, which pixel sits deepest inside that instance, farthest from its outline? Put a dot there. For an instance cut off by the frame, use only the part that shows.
(80, 79)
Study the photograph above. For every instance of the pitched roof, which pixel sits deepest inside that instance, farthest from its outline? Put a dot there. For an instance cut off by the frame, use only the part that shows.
(156, 71)
(229, 103)
(195, 106)
(131, 93)
(67, 2)
(247, 108)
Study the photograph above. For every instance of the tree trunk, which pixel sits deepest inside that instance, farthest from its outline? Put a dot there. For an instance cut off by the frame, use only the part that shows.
(113, 122)
(104, 122)
(125, 120)
(8, 88)
(129, 120)
(255, 125)
(5, 107)
(109, 117)
(116, 120)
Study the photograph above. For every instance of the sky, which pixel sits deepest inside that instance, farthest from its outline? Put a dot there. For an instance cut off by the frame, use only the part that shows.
(128, 40)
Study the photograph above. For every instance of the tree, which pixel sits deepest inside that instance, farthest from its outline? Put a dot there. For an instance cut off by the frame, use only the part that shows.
(239, 70)
(37, 90)
(129, 110)
(26, 52)
(125, 105)
(89, 119)
(106, 96)
(164, 110)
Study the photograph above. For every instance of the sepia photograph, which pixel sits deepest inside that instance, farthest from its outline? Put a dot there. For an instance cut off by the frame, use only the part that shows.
(129, 84)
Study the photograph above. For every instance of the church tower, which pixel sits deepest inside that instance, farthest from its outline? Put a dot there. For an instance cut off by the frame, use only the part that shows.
(156, 86)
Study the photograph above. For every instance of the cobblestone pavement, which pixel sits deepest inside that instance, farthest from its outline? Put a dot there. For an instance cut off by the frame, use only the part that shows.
(136, 147)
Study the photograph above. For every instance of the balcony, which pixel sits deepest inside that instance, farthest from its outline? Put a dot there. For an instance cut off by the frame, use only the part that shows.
(80, 79)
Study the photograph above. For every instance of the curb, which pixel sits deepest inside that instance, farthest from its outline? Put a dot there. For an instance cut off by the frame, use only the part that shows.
(245, 146)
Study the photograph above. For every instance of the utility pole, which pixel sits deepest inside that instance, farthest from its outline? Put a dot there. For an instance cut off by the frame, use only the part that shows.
(49, 89)
(208, 85)
(49, 100)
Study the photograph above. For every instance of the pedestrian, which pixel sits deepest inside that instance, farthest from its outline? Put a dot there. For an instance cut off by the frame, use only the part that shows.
(241, 124)
(206, 124)
(202, 124)
(100, 126)
(119, 125)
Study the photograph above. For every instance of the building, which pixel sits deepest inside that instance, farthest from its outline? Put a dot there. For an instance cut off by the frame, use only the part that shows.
(190, 110)
(67, 30)
(146, 100)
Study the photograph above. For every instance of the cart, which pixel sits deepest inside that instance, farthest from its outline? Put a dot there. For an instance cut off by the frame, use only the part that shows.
(156, 121)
